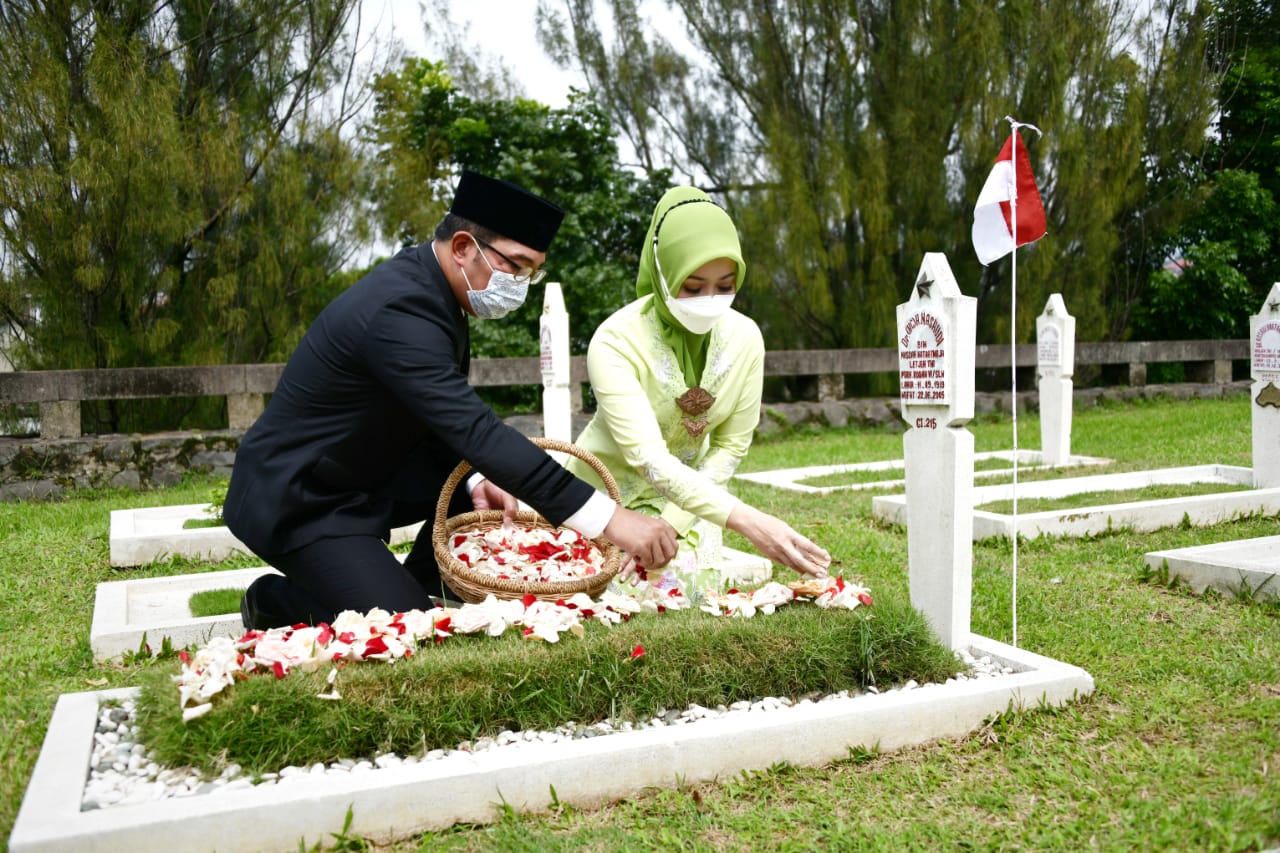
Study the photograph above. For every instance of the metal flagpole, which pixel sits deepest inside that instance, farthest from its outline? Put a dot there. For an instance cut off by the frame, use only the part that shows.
(1013, 358)
(1013, 349)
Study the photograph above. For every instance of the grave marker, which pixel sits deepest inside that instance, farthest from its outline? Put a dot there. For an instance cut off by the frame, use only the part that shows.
(1264, 362)
(557, 417)
(1056, 351)
(937, 341)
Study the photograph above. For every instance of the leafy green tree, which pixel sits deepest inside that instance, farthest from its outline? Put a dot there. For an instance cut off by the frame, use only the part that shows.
(1223, 253)
(1207, 293)
(426, 129)
(1247, 50)
(175, 186)
(849, 139)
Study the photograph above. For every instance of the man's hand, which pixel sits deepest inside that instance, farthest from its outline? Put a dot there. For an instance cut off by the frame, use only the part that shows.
(651, 541)
(489, 496)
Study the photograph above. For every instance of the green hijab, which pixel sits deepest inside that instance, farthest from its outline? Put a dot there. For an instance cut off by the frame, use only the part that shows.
(694, 230)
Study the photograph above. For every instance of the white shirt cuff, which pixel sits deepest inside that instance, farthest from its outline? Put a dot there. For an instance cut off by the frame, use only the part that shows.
(474, 480)
(594, 516)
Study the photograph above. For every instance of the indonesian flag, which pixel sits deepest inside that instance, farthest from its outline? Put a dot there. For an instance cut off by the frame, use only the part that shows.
(992, 219)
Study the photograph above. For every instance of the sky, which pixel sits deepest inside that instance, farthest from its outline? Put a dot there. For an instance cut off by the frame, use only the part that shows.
(499, 27)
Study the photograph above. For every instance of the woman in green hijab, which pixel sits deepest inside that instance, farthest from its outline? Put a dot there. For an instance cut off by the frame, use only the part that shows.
(677, 375)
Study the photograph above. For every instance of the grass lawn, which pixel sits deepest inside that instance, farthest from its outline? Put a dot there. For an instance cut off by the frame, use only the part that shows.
(1179, 748)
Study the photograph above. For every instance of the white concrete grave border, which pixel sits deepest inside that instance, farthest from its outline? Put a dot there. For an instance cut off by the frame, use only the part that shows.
(1251, 566)
(1141, 516)
(142, 536)
(125, 612)
(793, 479)
(402, 801)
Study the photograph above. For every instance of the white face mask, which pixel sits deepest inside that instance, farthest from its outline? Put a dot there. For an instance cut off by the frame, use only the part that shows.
(503, 295)
(698, 314)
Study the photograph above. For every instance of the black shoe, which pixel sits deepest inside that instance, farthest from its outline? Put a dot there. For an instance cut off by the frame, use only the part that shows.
(245, 616)
(256, 611)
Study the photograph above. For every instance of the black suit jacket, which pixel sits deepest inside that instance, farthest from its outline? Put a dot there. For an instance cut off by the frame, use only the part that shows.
(372, 413)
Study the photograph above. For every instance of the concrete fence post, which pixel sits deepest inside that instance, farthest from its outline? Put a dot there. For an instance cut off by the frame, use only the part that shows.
(60, 419)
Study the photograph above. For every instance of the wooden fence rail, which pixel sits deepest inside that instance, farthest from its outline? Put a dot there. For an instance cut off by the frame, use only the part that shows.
(59, 393)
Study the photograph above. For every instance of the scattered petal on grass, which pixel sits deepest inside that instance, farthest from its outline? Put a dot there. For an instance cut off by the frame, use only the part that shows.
(189, 714)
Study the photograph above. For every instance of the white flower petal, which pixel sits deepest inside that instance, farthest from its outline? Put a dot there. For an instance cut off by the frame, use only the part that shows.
(190, 714)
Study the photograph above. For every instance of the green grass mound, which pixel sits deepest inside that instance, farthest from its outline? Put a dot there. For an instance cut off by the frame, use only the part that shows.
(472, 686)
(215, 602)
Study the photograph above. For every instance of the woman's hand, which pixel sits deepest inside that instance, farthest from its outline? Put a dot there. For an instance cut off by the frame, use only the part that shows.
(776, 539)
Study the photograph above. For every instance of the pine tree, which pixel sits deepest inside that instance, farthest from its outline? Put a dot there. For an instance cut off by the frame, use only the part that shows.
(848, 139)
(175, 187)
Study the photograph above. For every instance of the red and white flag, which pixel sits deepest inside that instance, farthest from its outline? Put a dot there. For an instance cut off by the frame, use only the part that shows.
(992, 216)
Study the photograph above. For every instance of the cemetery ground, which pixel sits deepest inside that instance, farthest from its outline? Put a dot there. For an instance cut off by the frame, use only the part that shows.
(1178, 748)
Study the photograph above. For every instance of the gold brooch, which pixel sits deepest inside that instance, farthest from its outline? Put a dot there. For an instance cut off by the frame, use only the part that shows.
(694, 402)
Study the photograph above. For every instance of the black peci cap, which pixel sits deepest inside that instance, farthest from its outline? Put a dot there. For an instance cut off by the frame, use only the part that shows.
(507, 209)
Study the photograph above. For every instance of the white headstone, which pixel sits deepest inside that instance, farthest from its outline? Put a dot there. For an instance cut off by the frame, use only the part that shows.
(553, 334)
(1056, 352)
(1264, 362)
(937, 337)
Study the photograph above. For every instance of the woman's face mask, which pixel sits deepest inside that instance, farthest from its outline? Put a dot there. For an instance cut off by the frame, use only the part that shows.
(697, 314)
(503, 295)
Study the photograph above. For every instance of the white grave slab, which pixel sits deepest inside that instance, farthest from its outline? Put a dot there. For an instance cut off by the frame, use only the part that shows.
(743, 567)
(1227, 567)
(124, 611)
(141, 536)
(792, 479)
(402, 801)
(1199, 510)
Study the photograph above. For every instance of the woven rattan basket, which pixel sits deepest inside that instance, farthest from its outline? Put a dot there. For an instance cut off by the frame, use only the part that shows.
(472, 585)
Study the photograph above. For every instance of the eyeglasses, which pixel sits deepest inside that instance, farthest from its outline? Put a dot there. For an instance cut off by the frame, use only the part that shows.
(523, 272)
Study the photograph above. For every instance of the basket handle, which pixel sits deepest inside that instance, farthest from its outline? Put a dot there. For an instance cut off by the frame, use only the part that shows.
(463, 467)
